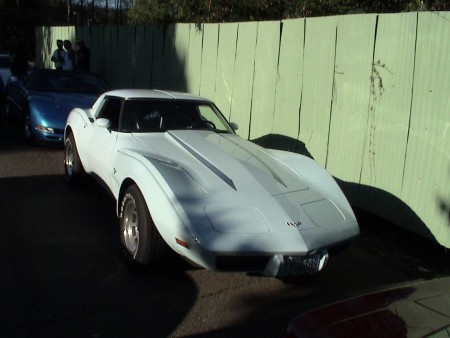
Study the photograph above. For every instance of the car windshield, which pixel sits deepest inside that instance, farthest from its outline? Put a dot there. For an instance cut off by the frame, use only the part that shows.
(143, 116)
(66, 82)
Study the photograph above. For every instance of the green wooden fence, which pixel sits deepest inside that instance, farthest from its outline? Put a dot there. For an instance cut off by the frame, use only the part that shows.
(367, 96)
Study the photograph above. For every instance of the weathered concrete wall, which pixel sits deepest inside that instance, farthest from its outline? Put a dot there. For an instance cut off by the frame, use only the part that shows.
(367, 96)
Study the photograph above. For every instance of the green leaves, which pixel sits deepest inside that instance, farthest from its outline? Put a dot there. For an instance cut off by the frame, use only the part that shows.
(170, 11)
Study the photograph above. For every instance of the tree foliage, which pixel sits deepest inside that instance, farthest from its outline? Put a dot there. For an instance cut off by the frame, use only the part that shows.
(170, 11)
(21, 17)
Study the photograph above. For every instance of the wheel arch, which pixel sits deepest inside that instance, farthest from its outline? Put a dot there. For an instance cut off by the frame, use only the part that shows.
(78, 126)
(123, 188)
(67, 131)
(162, 212)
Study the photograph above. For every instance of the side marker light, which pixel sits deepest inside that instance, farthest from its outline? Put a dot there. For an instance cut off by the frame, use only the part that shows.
(182, 243)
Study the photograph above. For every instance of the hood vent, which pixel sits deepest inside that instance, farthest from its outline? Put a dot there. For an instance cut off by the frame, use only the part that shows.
(204, 161)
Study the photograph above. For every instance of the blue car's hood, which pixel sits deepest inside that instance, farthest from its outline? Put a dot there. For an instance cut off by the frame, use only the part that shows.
(55, 107)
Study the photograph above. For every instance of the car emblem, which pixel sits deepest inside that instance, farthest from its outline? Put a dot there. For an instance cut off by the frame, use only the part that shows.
(293, 224)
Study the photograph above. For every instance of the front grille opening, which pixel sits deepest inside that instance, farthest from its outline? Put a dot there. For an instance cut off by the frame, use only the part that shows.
(242, 263)
(58, 138)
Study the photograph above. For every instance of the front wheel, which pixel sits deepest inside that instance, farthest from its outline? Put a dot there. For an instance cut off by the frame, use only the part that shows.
(73, 168)
(28, 132)
(8, 108)
(138, 234)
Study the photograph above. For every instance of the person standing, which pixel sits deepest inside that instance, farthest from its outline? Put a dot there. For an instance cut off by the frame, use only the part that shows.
(83, 56)
(70, 60)
(59, 55)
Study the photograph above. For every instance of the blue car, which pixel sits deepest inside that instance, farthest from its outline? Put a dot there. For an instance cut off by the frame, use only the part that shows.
(44, 98)
(5, 63)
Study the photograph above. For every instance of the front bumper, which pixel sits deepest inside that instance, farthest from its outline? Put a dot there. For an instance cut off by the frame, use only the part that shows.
(57, 137)
(276, 265)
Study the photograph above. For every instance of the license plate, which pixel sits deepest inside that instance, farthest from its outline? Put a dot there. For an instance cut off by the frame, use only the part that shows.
(300, 265)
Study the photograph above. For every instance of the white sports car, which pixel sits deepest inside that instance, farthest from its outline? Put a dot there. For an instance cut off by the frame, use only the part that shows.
(183, 179)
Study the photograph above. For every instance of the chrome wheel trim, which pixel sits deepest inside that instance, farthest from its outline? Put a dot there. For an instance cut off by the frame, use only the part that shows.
(130, 227)
(68, 158)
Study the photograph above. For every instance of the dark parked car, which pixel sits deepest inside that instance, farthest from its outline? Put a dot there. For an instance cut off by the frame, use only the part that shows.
(44, 98)
(5, 72)
(420, 309)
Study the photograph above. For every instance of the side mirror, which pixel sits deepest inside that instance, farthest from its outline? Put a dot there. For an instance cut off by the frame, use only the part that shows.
(103, 123)
(234, 126)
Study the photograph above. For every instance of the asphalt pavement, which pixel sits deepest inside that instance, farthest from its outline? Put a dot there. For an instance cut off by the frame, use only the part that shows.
(62, 273)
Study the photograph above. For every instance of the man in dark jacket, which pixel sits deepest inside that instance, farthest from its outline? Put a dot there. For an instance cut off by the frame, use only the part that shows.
(83, 56)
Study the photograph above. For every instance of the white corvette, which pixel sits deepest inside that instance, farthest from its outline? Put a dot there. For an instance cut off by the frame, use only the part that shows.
(183, 179)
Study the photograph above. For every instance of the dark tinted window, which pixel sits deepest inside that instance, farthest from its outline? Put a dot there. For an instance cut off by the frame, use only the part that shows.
(111, 111)
(142, 115)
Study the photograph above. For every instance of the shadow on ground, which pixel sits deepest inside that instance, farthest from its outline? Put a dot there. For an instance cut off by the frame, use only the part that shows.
(62, 272)
(382, 257)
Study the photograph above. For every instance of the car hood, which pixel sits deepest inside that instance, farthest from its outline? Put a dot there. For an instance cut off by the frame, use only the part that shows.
(60, 103)
(53, 108)
(225, 161)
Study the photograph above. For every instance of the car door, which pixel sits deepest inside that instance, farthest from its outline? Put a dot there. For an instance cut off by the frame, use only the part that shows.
(104, 139)
(16, 95)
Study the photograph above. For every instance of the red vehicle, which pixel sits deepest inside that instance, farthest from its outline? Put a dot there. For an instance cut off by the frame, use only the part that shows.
(417, 310)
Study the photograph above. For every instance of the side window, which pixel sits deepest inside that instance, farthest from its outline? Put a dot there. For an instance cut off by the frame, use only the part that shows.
(111, 110)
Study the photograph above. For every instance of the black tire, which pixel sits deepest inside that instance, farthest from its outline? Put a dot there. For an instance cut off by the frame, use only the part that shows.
(8, 108)
(73, 168)
(139, 236)
(28, 133)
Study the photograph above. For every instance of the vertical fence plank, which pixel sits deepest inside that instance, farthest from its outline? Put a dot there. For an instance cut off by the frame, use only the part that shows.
(98, 51)
(157, 38)
(225, 66)
(44, 47)
(179, 63)
(351, 95)
(143, 57)
(194, 59)
(263, 96)
(289, 87)
(125, 58)
(111, 57)
(209, 60)
(70, 32)
(318, 72)
(41, 49)
(170, 57)
(243, 77)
